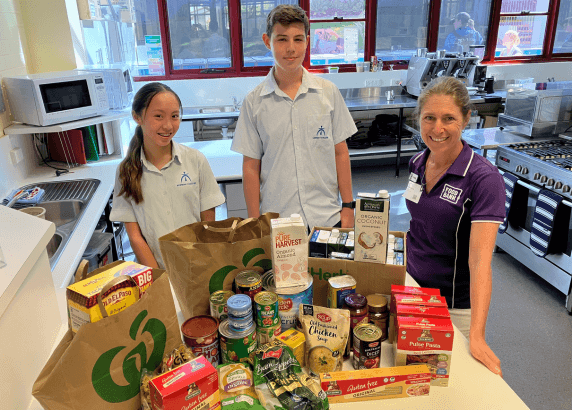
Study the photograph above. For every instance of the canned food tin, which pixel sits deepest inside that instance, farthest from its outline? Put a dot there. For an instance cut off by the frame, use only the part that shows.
(200, 334)
(238, 324)
(248, 282)
(218, 304)
(267, 334)
(266, 309)
(366, 346)
(338, 288)
(289, 298)
(237, 346)
(239, 306)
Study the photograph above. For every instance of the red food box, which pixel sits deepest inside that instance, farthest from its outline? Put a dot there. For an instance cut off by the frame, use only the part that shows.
(425, 341)
(410, 290)
(193, 385)
(422, 311)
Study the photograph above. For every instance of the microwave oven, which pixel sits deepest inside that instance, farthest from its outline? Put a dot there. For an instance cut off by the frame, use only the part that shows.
(118, 84)
(56, 97)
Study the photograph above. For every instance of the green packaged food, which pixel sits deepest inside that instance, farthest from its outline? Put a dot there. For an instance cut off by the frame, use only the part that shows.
(236, 387)
(280, 382)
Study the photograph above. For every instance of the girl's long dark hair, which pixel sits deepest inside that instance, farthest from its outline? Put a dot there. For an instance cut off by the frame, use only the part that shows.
(131, 168)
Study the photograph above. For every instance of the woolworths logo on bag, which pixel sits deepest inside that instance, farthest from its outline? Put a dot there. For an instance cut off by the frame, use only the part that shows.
(101, 377)
(217, 278)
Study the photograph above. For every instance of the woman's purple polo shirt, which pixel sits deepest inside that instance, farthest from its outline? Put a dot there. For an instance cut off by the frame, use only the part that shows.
(472, 190)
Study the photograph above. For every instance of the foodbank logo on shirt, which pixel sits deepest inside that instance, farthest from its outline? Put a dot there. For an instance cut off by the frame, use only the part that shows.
(217, 279)
(101, 377)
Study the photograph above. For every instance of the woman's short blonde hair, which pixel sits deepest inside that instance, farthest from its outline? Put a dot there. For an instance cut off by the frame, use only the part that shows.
(512, 36)
(445, 86)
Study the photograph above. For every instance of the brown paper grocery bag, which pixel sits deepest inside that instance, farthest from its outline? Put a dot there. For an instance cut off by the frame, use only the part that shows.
(206, 256)
(100, 367)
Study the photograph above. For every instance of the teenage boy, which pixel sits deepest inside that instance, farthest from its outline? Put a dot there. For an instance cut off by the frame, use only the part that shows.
(291, 132)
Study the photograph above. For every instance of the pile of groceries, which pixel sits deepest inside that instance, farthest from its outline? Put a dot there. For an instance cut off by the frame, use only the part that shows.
(266, 345)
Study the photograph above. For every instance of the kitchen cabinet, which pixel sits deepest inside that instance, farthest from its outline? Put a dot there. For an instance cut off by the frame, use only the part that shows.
(30, 319)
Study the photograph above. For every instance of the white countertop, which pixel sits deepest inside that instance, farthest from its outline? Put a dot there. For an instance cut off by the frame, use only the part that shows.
(24, 238)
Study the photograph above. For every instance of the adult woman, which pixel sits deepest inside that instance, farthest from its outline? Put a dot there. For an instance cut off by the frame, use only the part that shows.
(511, 40)
(456, 201)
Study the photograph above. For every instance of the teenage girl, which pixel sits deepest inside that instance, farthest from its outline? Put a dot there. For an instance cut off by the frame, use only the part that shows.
(161, 185)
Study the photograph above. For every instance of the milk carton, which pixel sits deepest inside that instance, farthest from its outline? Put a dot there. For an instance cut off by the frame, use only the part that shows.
(289, 251)
(371, 227)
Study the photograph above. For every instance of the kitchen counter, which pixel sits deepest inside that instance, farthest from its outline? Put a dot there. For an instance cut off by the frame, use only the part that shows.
(471, 386)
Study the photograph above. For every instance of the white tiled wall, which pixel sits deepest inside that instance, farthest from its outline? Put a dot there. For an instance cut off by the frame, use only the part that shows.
(13, 56)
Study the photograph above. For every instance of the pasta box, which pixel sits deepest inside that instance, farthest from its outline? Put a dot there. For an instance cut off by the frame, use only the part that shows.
(191, 386)
(422, 311)
(370, 277)
(422, 340)
(411, 290)
(375, 384)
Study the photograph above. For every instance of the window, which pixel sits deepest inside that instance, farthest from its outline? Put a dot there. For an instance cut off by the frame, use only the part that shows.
(199, 34)
(337, 31)
(177, 39)
(463, 23)
(563, 38)
(522, 28)
(401, 28)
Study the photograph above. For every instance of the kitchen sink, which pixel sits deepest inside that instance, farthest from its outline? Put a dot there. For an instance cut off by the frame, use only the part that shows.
(63, 212)
(54, 245)
(64, 203)
(221, 122)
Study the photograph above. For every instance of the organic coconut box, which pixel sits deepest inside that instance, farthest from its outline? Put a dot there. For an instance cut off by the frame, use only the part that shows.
(371, 228)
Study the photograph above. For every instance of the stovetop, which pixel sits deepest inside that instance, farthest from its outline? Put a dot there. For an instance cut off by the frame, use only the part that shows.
(545, 164)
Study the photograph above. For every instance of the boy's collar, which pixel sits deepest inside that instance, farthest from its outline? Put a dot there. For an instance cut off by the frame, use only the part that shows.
(308, 82)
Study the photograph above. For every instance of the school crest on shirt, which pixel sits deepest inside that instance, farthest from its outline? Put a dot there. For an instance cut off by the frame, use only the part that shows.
(186, 180)
(321, 133)
(451, 194)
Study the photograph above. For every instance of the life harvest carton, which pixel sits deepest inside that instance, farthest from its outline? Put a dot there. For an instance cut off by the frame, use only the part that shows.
(421, 340)
(191, 386)
(375, 384)
(82, 296)
(370, 277)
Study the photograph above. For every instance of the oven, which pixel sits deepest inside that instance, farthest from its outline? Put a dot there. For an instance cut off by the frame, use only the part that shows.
(535, 172)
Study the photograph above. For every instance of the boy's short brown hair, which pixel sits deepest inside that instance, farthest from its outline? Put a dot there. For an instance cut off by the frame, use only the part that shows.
(286, 14)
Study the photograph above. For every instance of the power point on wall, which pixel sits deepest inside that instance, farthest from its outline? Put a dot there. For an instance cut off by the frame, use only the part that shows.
(396, 82)
(16, 156)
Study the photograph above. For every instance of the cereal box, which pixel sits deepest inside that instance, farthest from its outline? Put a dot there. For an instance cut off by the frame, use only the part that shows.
(371, 228)
(82, 295)
(191, 386)
(428, 341)
(375, 384)
(296, 341)
(289, 251)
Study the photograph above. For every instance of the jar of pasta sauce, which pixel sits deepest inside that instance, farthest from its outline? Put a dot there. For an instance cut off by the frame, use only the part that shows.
(356, 303)
(378, 313)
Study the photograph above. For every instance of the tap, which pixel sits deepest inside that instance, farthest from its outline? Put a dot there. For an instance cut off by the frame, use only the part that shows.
(237, 103)
(16, 198)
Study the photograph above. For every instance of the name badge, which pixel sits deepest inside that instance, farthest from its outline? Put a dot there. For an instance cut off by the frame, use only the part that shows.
(413, 191)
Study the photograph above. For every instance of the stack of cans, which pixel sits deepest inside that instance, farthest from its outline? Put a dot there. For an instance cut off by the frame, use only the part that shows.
(239, 312)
